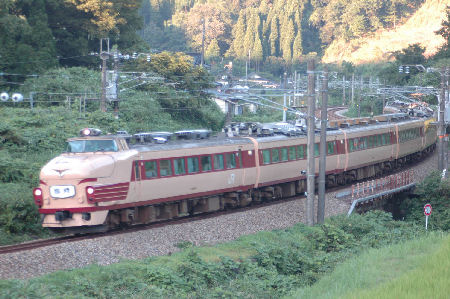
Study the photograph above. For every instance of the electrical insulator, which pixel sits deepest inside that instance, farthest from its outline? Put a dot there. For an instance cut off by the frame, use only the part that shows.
(407, 70)
(400, 69)
(148, 58)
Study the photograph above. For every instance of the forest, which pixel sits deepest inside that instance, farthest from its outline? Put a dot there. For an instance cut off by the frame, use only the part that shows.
(37, 35)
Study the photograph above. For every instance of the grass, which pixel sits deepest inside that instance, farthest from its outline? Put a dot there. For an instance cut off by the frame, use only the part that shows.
(263, 265)
(418, 268)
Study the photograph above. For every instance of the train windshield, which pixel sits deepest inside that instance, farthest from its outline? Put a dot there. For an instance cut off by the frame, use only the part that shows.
(85, 146)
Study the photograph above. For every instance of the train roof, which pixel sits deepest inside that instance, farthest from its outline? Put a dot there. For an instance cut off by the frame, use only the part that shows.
(222, 140)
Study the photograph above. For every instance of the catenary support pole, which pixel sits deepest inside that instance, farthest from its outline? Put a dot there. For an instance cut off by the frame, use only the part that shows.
(323, 147)
(441, 132)
(284, 97)
(310, 184)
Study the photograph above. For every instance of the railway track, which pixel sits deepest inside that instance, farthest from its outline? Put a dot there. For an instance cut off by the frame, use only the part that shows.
(138, 227)
(128, 229)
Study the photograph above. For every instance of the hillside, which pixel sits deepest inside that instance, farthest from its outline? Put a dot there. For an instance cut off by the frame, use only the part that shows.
(419, 28)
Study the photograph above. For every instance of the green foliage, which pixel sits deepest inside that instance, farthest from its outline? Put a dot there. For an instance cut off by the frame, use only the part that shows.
(413, 54)
(18, 212)
(265, 265)
(436, 192)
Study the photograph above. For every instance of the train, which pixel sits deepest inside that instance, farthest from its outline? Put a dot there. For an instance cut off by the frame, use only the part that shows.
(104, 181)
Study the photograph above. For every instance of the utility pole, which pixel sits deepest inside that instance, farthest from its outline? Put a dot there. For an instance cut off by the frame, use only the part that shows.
(295, 89)
(353, 89)
(115, 79)
(284, 98)
(445, 125)
(203, 43)
(323, 147)
(104, 56)
(441, 133)
(343, 90)
(310, 184)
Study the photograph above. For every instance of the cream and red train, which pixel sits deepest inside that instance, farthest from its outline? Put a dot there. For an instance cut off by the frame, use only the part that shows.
(103, 181)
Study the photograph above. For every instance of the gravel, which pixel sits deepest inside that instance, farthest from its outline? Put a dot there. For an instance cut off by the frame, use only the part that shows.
(163, 240)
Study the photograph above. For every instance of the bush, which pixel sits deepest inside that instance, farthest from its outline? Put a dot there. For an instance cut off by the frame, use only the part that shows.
(436, 192)
(18, 214)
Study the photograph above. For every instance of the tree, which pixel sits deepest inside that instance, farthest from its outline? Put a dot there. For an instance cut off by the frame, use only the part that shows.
(217, 25)
(413, 54)
(274, 38)
(287, 41)
(103, 18)
(27, 44)
(257, 52)
(445, 29)
(213, 50)
(237, 47)
(297, 49)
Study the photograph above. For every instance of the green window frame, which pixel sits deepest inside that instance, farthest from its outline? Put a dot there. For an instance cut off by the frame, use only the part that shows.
(275, 155)
(206, 163)
(151, 169)
(330, 147)
(266, 156)
(192, 164)
(292, 153)
(351, 145)
(218, 162)
(231, 160)
(316, 150)
(179, 166)
(165, 168)
(284, 154)
(301, 152)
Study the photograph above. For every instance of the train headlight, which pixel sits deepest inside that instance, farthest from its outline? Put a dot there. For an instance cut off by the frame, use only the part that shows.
(90, 132)
(37, 194)
(90, 194)
(90, 190)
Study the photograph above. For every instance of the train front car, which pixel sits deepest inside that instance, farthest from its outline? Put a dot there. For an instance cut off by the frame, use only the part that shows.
(68, 196)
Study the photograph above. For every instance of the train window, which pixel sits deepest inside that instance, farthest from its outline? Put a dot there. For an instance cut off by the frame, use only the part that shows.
(266, 156)
(218, 162)
(206, 163)
(275, 155)
(292, 153)
(83, 146)
(151, 171)
(379, 140)
(231, 160)
(316, 150)
(362, 143)
(178, 166)
(330, 147)
(192, 164)
(383, 139)
(284, 154)
(300, 152)
(372, 141)
(165, 168)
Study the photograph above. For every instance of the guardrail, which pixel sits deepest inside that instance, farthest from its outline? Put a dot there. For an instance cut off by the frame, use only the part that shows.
(369, 190)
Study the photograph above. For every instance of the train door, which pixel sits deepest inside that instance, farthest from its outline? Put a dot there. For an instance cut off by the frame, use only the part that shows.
(137, 179)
